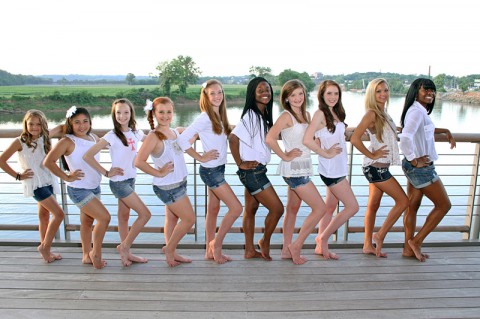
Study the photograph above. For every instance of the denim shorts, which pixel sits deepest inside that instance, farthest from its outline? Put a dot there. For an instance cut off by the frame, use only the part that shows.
(42, 193)
(376, 174)
(419, 177)
(122, 189)
(213, 177)
(171, 193)
(295, 182)
(82, 196)
(255, 180)
(331, 181)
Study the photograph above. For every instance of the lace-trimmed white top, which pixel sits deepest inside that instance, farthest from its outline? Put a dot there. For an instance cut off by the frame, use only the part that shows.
(292, 137)
(389, 137)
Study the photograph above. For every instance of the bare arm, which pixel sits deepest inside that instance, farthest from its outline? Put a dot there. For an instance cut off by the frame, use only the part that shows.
(449, 135)
(89, 157)
(14, 147)
(368, 121)
(64, 147)
(309, 138)
(283, 122)
(151, 145)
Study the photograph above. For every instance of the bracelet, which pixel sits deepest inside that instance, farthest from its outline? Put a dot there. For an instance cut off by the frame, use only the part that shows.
(17, 178)
(106, 173)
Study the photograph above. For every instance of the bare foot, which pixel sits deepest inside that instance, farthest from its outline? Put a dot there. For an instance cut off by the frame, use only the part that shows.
(217, 253)
(416, 250)
(208, 252)
(322, 250)
(170, 259)
(177, 257)
(296, 257)
(378, 244)
(369, 249)
(265, 249)
(124, 252)
(56, 256)
(97, 262)
(46, 255)
(285, 253)
(137, 259)
(252, 254)
(408, 252)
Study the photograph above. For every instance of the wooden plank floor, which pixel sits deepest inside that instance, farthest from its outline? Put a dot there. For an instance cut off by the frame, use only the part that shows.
(356, 286)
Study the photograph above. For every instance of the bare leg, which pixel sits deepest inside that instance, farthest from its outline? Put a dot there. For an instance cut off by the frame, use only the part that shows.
(331, 203)
(50, 205)
(410, 218)
(269, 199)
(86, 227)
(213, 208)
(170, 222)
(43, 220)
(97, 211)
(251, 207)
(293, 205)
(374, 199)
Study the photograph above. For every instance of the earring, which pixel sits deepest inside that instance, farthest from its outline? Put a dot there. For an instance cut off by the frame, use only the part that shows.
(286, 100)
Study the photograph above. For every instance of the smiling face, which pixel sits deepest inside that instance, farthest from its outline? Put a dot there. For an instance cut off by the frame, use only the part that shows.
(425, 96)
(215, 95)
(164, 114)
(34, 127)
(382, 94)
(331, 95)
(297, 98)
(122, 114)
(263, 95)
(80, 125)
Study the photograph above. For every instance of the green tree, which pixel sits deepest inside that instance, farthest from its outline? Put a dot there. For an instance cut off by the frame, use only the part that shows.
(262, 71)
(289, 74)
(181, 71)
(130, 78)
(463, 83)
(439, 81)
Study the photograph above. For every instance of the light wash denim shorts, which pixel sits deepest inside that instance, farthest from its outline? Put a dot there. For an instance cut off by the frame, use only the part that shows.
(419, 177)
(42, 193)
(82, 196)
(295, 182)
(213, 177)
(376, 174)
(255, 180)
(170, 194)
(331, 181)
(122, 189)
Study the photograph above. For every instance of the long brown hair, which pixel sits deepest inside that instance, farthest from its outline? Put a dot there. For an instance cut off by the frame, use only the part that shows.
(117, 127)
(27, 138)
(219, 123)
(150, 114)
(287, 90)
(337, 109)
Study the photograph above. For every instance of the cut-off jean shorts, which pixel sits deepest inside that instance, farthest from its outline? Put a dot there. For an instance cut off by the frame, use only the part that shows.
(122, 189)
(255, 180)
(419, 177)
(170, 194)
(82, 196)
(296, 181)
(43, 193)
(331, 181)
(213, 177)
(376, 174)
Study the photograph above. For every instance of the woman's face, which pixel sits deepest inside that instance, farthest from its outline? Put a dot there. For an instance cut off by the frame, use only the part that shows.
(297, 98)
(215, 94)
(331, 95)
(425, 97)
(263, 95)
(382, 93)
(80, 124)
(164, 114)
(34, 126)
(122, 114)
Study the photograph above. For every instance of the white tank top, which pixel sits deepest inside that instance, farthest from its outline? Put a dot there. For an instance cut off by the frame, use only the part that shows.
(75, 161)
(292, 137)
(338, 165)
(32, 158)
(389, 137)
(171, 153)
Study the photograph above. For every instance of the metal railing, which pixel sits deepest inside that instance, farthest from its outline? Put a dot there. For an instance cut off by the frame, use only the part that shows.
(458, 169)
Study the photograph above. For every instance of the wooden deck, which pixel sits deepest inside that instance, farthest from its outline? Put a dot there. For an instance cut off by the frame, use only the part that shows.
(356, 286)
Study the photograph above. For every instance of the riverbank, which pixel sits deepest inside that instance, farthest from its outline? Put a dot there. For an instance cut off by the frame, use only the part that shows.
(467, 97)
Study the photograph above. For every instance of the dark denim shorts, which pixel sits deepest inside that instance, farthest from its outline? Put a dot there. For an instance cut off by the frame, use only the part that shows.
(295, 182)
(122, 189)
(213, 177)
(255, 180)
(42, 193)
(171, 193)
(419, 177)
(82, 196)
(376, 174)
(331, 181)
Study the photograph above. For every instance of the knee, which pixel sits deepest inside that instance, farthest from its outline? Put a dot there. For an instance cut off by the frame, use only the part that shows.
(402, 203)
(237, 210)
(445, 207)
(189, 220)
(293, 209)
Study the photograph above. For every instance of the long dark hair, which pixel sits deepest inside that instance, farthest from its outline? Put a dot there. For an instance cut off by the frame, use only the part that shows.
(251, 104)
(413, 93)
(69, 128)
(337, 109)
(117, 127)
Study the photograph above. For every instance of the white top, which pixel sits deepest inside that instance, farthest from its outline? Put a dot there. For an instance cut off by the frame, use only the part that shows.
(124, 156)
(418, 135)
(171, 153)
(75, 161)
(32, 158)
(210, 140)
(336, 166)
(252, 139)
(292, 137)
(389, 138)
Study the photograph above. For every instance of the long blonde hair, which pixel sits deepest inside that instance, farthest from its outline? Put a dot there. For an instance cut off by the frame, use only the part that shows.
(219, 124)
(27, 138)
(371, 105)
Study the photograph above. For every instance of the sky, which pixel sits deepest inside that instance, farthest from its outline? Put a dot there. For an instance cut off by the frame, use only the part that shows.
(116, 37)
